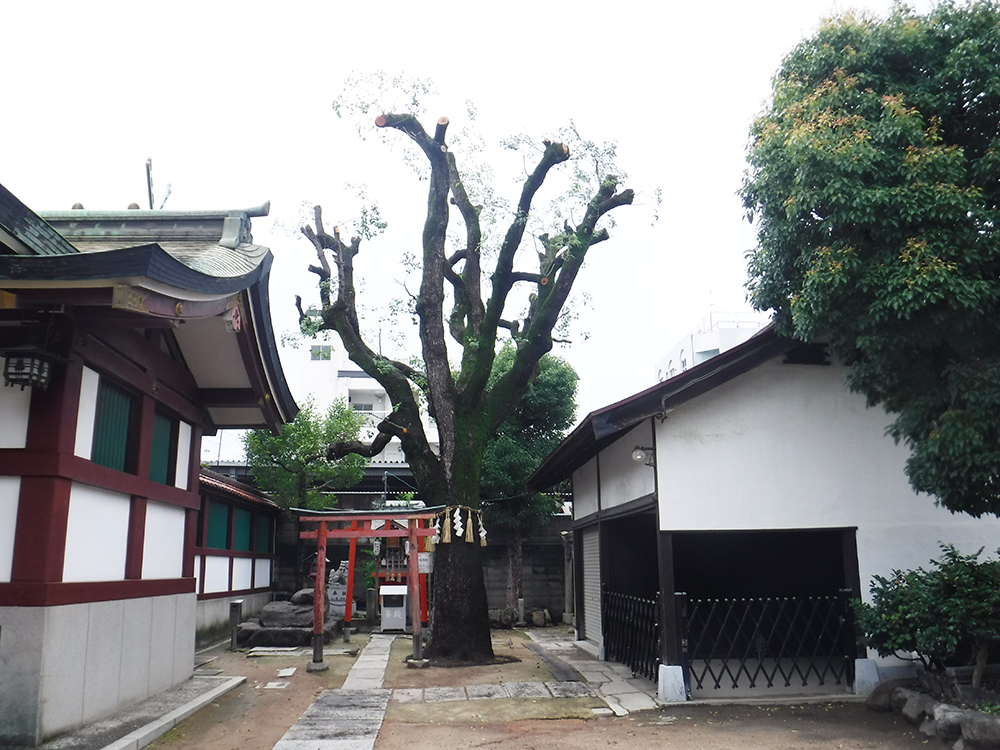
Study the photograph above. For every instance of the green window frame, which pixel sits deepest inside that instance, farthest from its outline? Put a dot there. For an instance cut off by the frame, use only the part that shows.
(163, 452)
(217, 534)
(263, 541)
(241, 530)
(114, 427)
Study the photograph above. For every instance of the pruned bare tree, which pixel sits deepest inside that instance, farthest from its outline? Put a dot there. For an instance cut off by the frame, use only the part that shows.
(456, 301)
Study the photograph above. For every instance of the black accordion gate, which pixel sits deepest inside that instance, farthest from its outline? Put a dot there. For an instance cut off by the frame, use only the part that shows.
(631, 631)
(789, 642)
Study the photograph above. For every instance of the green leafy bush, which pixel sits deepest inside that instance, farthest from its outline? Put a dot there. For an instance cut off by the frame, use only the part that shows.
(936, 613)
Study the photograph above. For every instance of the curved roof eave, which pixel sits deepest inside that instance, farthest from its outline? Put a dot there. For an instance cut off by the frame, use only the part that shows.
(267, 346)
(115, 266)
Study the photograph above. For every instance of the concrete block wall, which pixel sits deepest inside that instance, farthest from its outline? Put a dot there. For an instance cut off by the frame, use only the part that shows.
(542, 578)
(84, 661)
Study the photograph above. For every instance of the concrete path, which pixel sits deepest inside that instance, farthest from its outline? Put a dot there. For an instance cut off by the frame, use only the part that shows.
(347, 718)
(350, 718)
(339, 720)
(612, 682)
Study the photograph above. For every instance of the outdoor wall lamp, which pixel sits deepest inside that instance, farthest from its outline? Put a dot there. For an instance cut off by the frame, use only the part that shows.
(29, 366)
(643, 455)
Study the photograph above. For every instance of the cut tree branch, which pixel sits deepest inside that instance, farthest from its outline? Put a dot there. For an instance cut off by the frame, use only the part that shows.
(368, 450)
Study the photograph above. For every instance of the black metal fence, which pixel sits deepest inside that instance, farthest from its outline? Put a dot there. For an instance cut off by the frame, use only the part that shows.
(768, 641)
(631, 630)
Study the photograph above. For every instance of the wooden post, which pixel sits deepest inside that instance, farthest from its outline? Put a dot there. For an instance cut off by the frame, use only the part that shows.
(319, 602)
(413, 583)
(423, 580)
(349, 603)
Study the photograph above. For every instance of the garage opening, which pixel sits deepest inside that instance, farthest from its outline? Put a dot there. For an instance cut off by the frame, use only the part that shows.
(767, 610)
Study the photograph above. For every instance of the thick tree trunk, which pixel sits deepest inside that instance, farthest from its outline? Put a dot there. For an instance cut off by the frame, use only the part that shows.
(515, 563)
(982, 652)
(461, 625)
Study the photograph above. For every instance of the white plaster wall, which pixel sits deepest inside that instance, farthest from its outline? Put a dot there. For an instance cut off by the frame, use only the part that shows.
(183, 455)
(585, 489)
(10, 488)
(216, 574)
(86, 414)
(15, 405)
(622, 479)
(787, 447)
(261, 573)
(96, 535)
(163, 545)
(242, 573)
(197, 574)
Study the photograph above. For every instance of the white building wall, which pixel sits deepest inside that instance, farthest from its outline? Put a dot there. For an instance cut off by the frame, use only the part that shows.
(96, 535)
(15, 405)
(715, 333)
(327, 380)
(163, 541)
(261, 573)
(10, 490)
(622, 479)
(242, 573)
(788, 447)
(86, 413)
(585, 489)
(184, 433)
(216, 574)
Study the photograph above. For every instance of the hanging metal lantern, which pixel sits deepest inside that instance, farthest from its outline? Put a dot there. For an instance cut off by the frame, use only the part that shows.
(27, 367)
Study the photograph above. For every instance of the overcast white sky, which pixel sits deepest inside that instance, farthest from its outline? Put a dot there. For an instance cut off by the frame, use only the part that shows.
(232, 101)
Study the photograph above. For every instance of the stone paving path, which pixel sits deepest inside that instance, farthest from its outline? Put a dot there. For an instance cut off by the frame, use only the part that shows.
(350, 718)
(612, 682)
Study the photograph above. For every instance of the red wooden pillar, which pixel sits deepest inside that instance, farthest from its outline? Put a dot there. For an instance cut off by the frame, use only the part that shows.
(423, 582)
(413, 582)
(349, 604)
(319, 603)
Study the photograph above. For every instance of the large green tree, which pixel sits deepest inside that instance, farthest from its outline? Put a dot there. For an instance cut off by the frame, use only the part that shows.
(294, 467)
(461, 311)
(515, 450)
(874, 180)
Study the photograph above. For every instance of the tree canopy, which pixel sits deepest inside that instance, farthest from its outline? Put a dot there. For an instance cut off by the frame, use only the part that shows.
(461, 310)
(294, 467)
(874, 179)
(532, 431)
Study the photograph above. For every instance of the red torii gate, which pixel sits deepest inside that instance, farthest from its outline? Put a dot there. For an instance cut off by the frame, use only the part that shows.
(330, 527)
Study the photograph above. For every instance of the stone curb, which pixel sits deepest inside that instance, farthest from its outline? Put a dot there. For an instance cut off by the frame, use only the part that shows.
(146, 734)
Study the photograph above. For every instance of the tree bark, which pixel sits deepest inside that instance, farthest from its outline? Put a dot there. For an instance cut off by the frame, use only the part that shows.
(982, 653)
(461, 625)
(515, 569)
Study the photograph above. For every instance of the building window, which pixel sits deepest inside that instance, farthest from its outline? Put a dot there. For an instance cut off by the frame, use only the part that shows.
(363, 407)
(163, 455)
(115, 427)
(241, 530)
(319, 353)
(263, 534)
(217, 536)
